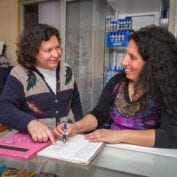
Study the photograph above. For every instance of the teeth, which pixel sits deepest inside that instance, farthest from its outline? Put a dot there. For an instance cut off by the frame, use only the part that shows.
(127, 70)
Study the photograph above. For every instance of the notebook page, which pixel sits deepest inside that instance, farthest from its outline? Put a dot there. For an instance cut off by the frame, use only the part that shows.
(76, 149)
(159, 151)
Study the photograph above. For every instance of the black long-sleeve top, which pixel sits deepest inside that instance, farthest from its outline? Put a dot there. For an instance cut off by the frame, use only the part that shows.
(165, 134)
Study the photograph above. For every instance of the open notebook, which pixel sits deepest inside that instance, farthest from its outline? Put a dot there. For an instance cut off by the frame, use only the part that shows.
(158, 151)
(76, 150)
(20, 145)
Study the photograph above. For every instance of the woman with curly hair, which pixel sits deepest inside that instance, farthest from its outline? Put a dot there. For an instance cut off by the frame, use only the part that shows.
(141, 103)
(41, 89)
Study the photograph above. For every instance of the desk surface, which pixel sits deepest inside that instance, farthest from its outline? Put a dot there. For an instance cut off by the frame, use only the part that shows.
(111, 162)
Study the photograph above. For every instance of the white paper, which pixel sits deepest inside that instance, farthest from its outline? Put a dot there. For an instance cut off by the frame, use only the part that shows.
(76, 150)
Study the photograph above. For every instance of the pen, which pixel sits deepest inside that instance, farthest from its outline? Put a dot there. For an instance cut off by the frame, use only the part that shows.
(64, 132)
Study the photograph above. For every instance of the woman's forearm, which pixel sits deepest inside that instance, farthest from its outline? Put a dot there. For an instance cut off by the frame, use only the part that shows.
(138, 137)
(86, 124)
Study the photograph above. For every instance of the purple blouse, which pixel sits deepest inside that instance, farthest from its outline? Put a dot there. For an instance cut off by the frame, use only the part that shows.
(137, 115)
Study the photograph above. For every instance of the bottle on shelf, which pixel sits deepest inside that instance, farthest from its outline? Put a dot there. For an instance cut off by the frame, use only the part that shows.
(120, 69)
(113, 70)
(108, 24)
(109, 73)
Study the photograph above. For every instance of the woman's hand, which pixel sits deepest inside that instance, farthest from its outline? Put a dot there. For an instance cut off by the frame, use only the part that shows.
(40, 132)
(104, 135)
(72, 129)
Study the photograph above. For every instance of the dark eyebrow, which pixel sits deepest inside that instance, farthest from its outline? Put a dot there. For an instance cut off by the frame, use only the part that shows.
(132, 56)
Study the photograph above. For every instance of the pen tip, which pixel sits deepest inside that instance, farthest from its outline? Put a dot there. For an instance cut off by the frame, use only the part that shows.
(64, 138)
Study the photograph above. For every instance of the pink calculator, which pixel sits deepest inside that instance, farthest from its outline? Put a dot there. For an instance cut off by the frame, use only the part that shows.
(20, 145)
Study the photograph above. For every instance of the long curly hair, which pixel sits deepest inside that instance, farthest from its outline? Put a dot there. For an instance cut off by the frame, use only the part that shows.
(30, 42)
(158, 48)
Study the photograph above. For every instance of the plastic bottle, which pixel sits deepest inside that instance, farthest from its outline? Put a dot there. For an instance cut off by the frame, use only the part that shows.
(130, 23)
(120, 69)
(108, 24)
(109, 73)
(114, 72)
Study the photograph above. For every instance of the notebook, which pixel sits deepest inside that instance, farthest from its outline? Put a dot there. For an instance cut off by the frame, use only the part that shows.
(151, 150)
(76, 150)
(20, 145)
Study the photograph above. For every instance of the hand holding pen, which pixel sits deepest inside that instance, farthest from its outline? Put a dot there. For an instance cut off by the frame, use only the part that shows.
(64, 130)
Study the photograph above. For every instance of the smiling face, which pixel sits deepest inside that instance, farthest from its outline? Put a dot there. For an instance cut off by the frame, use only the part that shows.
(132, 62)
(49, 54)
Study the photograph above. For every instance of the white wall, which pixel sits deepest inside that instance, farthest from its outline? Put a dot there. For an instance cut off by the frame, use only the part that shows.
(9, 27)
(173, 17)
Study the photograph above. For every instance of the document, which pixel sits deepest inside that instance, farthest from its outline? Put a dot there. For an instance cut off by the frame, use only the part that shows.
(159, 151)
(76, 150)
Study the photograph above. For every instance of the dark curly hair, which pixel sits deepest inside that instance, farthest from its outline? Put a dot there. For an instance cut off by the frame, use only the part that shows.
(158, 48)
(30, 42)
